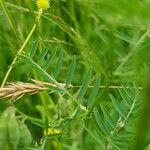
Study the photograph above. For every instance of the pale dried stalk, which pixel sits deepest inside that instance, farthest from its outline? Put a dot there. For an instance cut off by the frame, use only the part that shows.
(18, 89)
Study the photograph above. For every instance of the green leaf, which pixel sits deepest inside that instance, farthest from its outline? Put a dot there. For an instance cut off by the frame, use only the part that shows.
(13, 129)
(71, 71)
(38, 122)
(85, 84)
(25, 138)
(34, 48)
(58, 65)
(123, 138)
(100, 122)
(122, 36)
(108, 119)
(50, 59)
(125, 97)
(9, 130)
(3, 132)
(94, 91)
(43, 54)
(117, 106)
(40, 70)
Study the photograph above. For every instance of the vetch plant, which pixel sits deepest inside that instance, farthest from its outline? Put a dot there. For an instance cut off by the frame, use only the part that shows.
(80, 79)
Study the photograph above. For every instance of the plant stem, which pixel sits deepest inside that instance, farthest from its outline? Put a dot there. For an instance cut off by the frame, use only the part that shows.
(15, 59)
(22, 47)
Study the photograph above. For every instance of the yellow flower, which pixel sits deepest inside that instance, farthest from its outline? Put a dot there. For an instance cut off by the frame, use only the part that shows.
(43, 4)
(53, 131)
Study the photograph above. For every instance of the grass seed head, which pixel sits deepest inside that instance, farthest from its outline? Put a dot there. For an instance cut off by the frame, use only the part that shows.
(16, 90)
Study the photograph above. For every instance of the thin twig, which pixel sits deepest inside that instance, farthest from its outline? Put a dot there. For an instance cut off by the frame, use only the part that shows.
(16, 57)
(22, 48)
(109, 87)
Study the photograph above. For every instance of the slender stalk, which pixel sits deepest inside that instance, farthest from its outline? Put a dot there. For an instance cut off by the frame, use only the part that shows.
(15, 59)
(22, 47)
(109, 87)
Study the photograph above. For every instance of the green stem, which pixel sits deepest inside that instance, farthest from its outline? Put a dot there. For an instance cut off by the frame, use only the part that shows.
(22, 47)
(15, 59)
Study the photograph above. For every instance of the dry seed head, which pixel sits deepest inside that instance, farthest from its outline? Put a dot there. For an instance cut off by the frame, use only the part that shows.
(16, 90)
(43, 4)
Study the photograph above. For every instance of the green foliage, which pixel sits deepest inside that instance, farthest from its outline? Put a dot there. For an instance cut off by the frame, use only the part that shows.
(14, 133)
(94, 57)
(118, 125)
